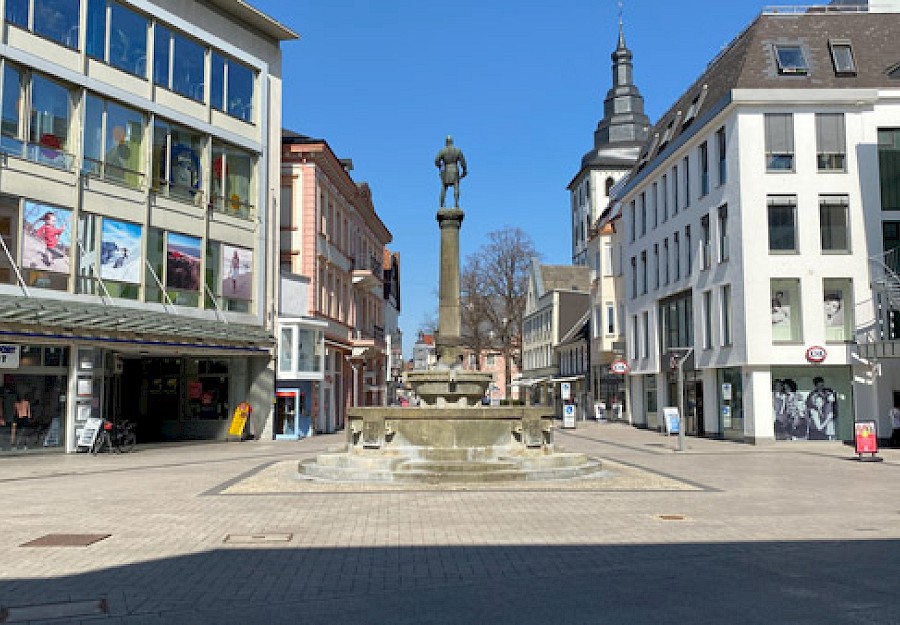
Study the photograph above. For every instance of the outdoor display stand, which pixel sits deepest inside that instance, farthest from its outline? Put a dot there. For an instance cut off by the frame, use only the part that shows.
(865, 437)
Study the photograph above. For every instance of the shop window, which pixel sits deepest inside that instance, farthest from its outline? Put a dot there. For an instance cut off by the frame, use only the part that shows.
(57, 20)
(113, 142)
(178, 161)
(31, 356)
(118, 36)
(786, 310)
(232, 190)
(812, 403)
(180, 63)
(231, 87)
(837, 298)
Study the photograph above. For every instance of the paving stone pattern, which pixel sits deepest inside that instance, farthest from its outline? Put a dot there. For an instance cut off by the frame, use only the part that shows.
(793, 533)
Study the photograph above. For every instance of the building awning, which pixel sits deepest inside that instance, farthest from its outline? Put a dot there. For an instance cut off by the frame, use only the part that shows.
(527, 381)
(571, 378)
(36, 317)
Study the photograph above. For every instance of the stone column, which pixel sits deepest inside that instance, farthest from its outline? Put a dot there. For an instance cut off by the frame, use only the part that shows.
(448, 336)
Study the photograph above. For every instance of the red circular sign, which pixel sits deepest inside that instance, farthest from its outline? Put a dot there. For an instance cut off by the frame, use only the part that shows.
(619, 366)
(816, 354)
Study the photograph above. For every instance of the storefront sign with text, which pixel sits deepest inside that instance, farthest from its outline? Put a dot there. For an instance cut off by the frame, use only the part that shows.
(816, 354)
(619, 366)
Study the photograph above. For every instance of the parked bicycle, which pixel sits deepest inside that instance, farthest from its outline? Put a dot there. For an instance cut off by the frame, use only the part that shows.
(115, 436)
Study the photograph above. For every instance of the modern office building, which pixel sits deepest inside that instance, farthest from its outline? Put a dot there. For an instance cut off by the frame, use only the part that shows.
(755, 224)
(140, 156)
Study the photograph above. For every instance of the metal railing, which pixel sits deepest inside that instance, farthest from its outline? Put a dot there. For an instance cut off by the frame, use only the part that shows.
(37, 153)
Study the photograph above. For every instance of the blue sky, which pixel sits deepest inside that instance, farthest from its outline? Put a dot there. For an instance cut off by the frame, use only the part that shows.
(519, 85)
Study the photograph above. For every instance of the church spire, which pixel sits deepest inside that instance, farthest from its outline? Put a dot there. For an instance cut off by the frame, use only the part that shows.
(624, 121)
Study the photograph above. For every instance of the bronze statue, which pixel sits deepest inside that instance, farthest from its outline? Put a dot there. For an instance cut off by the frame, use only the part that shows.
(452, 163)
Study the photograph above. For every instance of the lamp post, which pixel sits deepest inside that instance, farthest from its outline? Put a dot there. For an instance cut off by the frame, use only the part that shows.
(679, 367)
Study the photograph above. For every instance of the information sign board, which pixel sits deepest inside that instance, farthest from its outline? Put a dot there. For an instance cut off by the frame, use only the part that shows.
(671, 420)
(865, 436)
(569, 415)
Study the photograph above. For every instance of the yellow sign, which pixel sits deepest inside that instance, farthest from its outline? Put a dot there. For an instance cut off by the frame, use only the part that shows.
(239, 420)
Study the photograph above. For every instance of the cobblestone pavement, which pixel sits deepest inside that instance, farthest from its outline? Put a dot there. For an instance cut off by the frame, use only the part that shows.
(719, 533)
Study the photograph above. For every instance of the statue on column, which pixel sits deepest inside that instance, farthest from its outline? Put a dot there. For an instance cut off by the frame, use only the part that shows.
(452, 163)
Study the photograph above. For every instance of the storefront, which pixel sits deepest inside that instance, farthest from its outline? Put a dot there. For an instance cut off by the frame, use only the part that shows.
(730, 391)
(813, 403)
(34, 393)
(302, 388)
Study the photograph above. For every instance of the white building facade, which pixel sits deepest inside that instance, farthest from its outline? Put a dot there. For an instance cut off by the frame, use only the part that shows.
(749, 223)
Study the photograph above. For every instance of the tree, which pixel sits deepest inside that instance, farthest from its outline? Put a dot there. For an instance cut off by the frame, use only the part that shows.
(497, 292)
(475, 327)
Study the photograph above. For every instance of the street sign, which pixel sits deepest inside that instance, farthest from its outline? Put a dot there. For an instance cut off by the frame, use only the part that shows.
(568, 415)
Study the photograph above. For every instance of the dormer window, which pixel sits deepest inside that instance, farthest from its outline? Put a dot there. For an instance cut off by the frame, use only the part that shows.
(666, 136)
(790, 59)
(842, 57)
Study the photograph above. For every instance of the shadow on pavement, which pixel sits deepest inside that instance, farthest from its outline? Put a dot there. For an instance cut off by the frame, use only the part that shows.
(767, 582)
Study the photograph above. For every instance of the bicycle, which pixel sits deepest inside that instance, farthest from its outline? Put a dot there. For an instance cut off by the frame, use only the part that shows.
(116, 436)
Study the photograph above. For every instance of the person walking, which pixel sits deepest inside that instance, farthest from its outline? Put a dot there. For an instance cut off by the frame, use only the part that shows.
(895, 425)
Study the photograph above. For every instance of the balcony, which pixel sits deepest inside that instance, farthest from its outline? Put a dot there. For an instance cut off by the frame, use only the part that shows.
(47, 152)
(368, 272)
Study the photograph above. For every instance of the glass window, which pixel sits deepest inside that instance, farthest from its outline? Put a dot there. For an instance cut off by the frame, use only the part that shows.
(50, 117)
(93, 134)
(644, 272)
(665, 198)
(677, 316)
(786, 315)
(127, 40)
(610, 318)
(675, 190)
(790, 59)
(831, 142)
(154, 266)
(656, 265)
(645, 345)
(12, 97)
(286, 350)
(723, 233)
(704, 169)
(723, 163)
(643, 205)
(162, 42)
(240, 91)
(632, 214)
(889, 167)
(232, 171)
(782, 223)
(837, 297)
(687, 181)
(666, 261)
(707, 319)
(113, 142)
(188, 71)
(833, 225)
(842, 57)
(17, 12)
(689, 249)
(96, 29)
(779, 129)
(676, 252)
(177, 160)
(705, 252)
(726, 316)
(58, 21)
(634, 279)
(217, 82)
(607, 258)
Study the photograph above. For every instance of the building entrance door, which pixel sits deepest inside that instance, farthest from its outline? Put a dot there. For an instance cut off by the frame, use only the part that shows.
(698, 407)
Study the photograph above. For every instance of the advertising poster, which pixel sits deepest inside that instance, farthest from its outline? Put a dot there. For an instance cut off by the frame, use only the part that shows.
(865, 437)
(671, 419)
(237, 263)
(120, 251)
(46, 238)
(182, 262)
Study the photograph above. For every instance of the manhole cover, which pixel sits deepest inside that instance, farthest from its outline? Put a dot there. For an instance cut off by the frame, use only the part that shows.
(257, 539)
(66, 540)
(672, 517)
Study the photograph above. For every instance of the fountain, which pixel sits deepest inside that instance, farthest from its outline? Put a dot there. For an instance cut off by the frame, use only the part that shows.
(450, 436)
